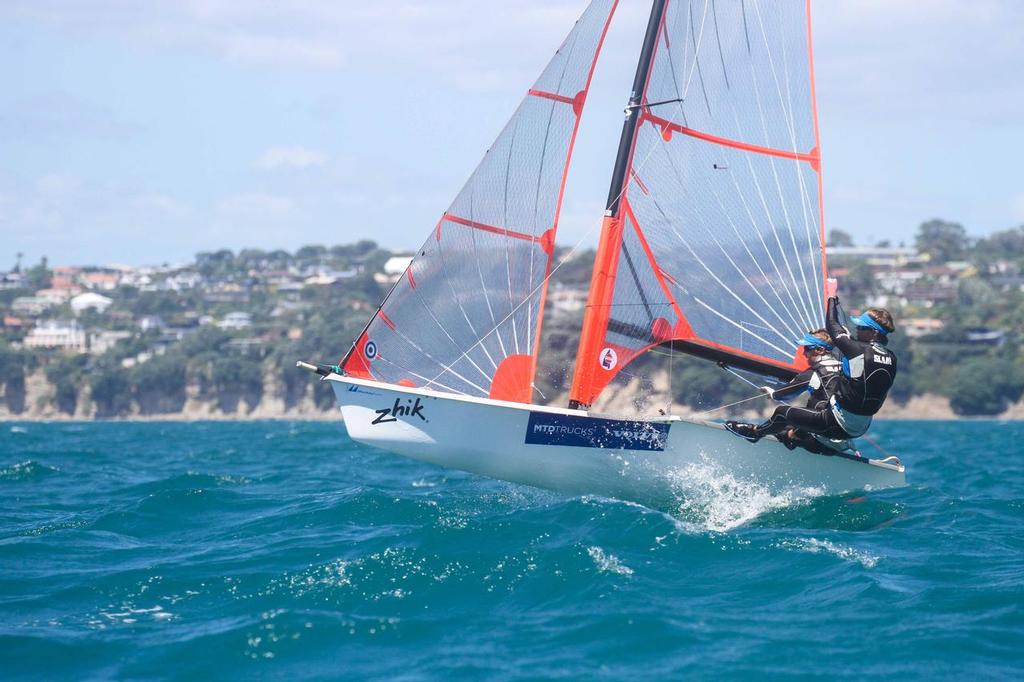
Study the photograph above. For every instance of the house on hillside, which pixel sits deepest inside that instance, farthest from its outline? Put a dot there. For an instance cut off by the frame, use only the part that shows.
(32, 306)
(236, 320)
(393, 269)
(90, 301)
(58, 335)
(100, 280)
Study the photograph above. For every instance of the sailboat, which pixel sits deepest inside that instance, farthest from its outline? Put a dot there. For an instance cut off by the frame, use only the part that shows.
(712, 244)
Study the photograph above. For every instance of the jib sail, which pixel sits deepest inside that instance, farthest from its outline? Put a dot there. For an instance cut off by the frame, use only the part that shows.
(713, 240)
(466, 315)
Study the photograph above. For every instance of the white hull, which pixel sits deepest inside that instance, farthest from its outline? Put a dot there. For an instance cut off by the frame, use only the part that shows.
(581, 453)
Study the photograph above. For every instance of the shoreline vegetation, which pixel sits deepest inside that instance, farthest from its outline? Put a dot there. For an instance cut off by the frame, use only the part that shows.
(218, 337)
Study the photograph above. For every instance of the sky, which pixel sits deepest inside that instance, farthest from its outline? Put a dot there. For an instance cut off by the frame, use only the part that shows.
(142, 133)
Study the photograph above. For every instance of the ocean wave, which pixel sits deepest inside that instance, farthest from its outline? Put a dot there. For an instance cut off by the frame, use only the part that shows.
(26, 470)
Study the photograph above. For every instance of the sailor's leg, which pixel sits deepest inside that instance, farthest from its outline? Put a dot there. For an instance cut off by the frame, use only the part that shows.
(787, 416)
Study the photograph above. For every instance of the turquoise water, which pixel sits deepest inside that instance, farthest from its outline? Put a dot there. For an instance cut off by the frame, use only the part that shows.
(283, 550)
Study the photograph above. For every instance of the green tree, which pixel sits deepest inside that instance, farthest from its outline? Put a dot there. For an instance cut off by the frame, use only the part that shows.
(158, 385)
(66, 373)
(838, 237)
(111, 391)
(986, 386)
(12, 377)
(39, 276)
(943, 241)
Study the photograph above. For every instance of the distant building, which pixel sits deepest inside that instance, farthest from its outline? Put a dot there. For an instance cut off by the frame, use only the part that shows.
(236, 320)
(100, 281)
(90, 301)
(102, 341)
(917, 327)
(151, 323)
(11, 280)
(882, 256)
(567, 299)
(30, 305)
(393, 269)
(58, 295)
(58, 334)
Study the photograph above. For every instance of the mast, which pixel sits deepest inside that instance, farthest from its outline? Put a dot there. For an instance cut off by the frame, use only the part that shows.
(636, 97)
(605, 262)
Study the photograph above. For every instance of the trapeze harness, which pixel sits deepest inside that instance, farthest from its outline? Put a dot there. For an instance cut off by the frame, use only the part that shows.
(869, 370)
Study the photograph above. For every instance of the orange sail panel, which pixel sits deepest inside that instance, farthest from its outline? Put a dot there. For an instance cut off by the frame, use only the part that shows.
(718, 244)
(466, 316)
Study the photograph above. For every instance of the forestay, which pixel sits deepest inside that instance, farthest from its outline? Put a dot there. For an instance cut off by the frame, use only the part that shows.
(466, 315)
(716, 243)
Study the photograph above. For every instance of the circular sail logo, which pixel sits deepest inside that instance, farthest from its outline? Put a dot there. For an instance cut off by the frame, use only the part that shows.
(370, 350)
(609, 358)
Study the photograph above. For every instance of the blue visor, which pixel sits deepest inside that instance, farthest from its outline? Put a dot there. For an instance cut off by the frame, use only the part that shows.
(814, 342)
(865, 320)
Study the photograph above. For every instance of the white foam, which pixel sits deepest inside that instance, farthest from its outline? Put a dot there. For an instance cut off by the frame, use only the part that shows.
(715, 500)
(816, 546)
(608, 563)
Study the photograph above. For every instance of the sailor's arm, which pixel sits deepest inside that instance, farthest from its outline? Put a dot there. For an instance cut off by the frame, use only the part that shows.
(837, 332)
(797, 384)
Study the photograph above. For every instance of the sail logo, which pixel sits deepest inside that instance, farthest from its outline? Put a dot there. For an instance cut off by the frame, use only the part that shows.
(407, 409)
(609, 358)
(595, 432)
(370, 350)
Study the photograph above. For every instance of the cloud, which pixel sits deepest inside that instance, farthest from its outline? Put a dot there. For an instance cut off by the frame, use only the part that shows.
(255, 205)
(255, 49)
(291, 157)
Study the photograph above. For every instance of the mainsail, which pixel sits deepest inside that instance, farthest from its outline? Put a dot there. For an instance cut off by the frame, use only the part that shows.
(466, 315)
(713, 240)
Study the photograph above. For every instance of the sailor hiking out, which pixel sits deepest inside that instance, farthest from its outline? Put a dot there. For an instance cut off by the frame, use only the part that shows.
(849, 398)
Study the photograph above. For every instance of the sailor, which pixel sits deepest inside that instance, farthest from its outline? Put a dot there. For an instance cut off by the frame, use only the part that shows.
(869, 368)
(818, 380)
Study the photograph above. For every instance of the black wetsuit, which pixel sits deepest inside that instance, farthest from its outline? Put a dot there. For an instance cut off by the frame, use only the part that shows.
(816, 416)
(869, 369)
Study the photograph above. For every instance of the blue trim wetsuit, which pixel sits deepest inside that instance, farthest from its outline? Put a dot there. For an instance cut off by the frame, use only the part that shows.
(869, 369)
(854, 395)
(816, 417)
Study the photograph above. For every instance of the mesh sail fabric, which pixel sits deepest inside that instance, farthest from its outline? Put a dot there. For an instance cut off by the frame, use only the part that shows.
(465, 317)
(721, 241)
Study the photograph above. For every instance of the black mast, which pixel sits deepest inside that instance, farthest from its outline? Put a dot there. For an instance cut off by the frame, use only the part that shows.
(643, 68)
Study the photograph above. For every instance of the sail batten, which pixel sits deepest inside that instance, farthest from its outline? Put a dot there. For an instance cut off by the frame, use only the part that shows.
(719, 248)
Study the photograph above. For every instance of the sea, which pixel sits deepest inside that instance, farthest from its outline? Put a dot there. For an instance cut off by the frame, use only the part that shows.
(283, 550)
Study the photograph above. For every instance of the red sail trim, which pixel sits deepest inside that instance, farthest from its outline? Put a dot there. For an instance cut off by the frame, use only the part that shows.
(658, 272)
(667, 128)
(355, 363)
(551, 95)
(491, 228)
(817, 149)
(386, 320)
(586, 383)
